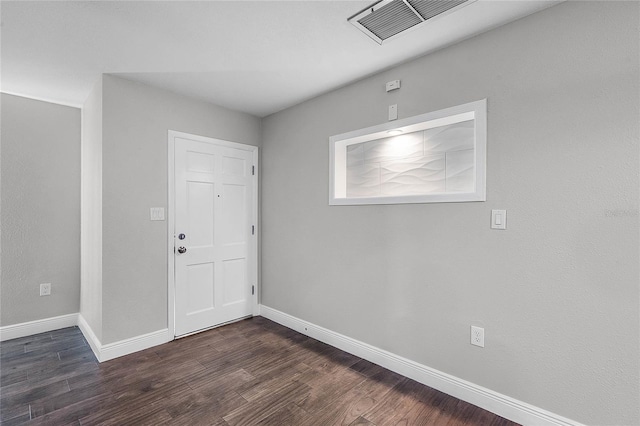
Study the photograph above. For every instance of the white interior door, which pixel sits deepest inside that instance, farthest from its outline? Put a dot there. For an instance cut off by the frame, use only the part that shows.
(213, 232)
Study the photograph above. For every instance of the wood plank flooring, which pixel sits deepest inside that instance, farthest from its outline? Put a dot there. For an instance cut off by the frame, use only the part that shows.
(253, 372)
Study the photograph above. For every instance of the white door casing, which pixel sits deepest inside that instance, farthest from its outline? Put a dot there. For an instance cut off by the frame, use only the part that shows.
(213, 202)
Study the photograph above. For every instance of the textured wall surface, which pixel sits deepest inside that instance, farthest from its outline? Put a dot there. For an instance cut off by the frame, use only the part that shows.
(437, 160)
(136, 119)
(40, 222)
(557, 292)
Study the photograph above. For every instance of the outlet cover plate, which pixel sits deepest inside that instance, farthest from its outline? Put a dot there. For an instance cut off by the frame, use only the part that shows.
(45, 289)
(477, 336)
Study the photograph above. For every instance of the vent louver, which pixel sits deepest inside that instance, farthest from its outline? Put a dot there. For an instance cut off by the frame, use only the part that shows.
(388, 18)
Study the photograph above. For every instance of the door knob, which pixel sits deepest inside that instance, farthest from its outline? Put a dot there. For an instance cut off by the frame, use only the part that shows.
(182, 250)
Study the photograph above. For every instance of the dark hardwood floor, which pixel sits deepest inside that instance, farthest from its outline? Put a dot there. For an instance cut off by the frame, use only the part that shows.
(253, 372)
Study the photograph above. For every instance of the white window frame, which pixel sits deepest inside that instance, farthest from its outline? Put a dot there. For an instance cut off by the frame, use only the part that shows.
(476, 111)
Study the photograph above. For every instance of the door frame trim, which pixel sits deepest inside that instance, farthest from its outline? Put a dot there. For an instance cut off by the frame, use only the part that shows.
(171, 188)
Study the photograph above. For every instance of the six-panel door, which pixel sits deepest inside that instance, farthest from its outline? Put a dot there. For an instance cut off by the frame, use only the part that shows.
(213, 205)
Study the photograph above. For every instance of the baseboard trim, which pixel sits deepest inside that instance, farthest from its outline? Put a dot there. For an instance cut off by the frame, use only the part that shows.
(134, 344)
(90, 336)
(30, 328)
(102, 352)
(497, 403)
(123, 347)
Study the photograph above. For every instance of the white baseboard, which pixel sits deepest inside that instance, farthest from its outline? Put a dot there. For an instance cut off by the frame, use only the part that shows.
(30, 328)
(497, 403)
(134, 344)
(102, 352)
(90, 336)
(123, 347)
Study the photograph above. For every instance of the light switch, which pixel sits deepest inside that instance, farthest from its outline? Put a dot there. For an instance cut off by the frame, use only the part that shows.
(498, 219)
(157, 213)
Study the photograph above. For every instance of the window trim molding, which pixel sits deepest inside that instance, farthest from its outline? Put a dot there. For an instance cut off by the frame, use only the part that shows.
(476, 110)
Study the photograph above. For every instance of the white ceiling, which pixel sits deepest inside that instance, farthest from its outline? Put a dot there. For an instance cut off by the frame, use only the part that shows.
(254, 56)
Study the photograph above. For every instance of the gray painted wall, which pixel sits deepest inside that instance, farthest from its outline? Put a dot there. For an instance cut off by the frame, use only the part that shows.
(91, 201)
(40, 221)
(557, 293)
(136, 119)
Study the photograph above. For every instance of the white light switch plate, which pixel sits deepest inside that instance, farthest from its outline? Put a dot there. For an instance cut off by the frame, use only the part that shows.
(157, 213)
(498, 219)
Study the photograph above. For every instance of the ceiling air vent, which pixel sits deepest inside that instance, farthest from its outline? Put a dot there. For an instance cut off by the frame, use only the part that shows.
(388, 18)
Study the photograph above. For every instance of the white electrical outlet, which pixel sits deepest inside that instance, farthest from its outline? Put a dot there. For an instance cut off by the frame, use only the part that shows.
(477, 336)
(45, 289)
